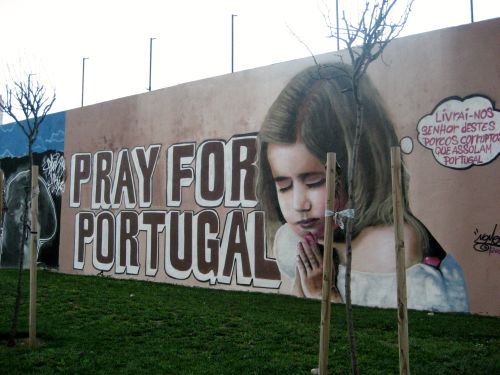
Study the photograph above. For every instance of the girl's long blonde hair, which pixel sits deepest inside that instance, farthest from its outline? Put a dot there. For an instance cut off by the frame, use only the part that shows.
(319, 103)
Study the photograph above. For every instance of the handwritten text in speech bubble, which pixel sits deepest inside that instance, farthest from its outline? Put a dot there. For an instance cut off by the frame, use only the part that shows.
(462, 132)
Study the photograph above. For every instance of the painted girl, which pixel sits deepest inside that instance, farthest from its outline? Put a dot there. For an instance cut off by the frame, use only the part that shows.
(314, 115)
(12, 229)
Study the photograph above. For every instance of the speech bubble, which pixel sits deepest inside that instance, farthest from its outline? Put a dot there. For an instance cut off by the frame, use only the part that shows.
(462, 132)
(406, 145)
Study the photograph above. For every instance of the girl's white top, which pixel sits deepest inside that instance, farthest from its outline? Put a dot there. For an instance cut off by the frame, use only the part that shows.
(428, 288)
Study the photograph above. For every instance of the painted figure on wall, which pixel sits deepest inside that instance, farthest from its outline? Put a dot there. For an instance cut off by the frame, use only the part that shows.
(48, 208)
(313, 115)
(48, 154)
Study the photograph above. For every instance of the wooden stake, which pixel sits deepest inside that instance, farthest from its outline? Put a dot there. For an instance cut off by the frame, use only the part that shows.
(397, 201)
(1, 197)
(324, 338)
(34, 255)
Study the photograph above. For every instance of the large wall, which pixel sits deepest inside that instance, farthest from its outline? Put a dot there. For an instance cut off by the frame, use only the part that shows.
(161, 185)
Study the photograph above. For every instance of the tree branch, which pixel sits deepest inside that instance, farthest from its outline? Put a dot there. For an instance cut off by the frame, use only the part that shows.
(32, 100)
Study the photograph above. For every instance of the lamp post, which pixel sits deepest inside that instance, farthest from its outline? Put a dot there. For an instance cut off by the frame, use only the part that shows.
(472, 11)
(337, 20)
(232, 42)
(83, 76)
(150, 60)
(29, 79)
(29, 84)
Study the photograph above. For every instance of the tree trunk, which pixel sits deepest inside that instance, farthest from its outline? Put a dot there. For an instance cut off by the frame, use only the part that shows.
(350, 189)
(27, 198)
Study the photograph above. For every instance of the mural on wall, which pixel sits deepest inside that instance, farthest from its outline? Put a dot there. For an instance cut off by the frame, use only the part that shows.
(49, 157)
(202, 244)
(260, 206)
(308, 120)
(221, 183)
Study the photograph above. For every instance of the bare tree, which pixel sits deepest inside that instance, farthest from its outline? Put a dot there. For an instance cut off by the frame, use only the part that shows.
(365, 41)
(30, 98)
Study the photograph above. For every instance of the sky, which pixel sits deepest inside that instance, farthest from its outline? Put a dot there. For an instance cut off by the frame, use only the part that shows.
(50, 38)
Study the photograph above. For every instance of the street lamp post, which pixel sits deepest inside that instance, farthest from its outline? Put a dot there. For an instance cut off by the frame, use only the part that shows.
(337, 20)
(232, 42)
(83, 76)
(150, 60)
(29, 80)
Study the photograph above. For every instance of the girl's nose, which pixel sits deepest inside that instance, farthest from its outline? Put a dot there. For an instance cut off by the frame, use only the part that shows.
(301, 202)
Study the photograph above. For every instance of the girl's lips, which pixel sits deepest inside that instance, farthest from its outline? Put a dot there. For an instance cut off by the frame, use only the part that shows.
(307, 223)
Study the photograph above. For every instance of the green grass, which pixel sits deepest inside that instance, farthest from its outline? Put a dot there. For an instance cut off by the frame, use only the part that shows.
(96, 325)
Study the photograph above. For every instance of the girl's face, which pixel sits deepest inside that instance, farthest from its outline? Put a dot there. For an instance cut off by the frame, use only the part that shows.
(300, 180)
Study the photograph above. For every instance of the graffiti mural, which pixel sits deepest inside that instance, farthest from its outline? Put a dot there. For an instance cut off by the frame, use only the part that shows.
(205, 244)
(50, 185)
(221, 183)
(292, 188)
(281, 169)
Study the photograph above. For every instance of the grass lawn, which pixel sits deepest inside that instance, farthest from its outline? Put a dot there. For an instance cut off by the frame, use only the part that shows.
(89, 325)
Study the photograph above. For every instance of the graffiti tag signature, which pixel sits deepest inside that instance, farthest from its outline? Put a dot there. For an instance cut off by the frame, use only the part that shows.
(53, 168)
(487, 242)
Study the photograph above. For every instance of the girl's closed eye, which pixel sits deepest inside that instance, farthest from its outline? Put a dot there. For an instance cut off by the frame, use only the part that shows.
(315, 180)
(283, 184)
